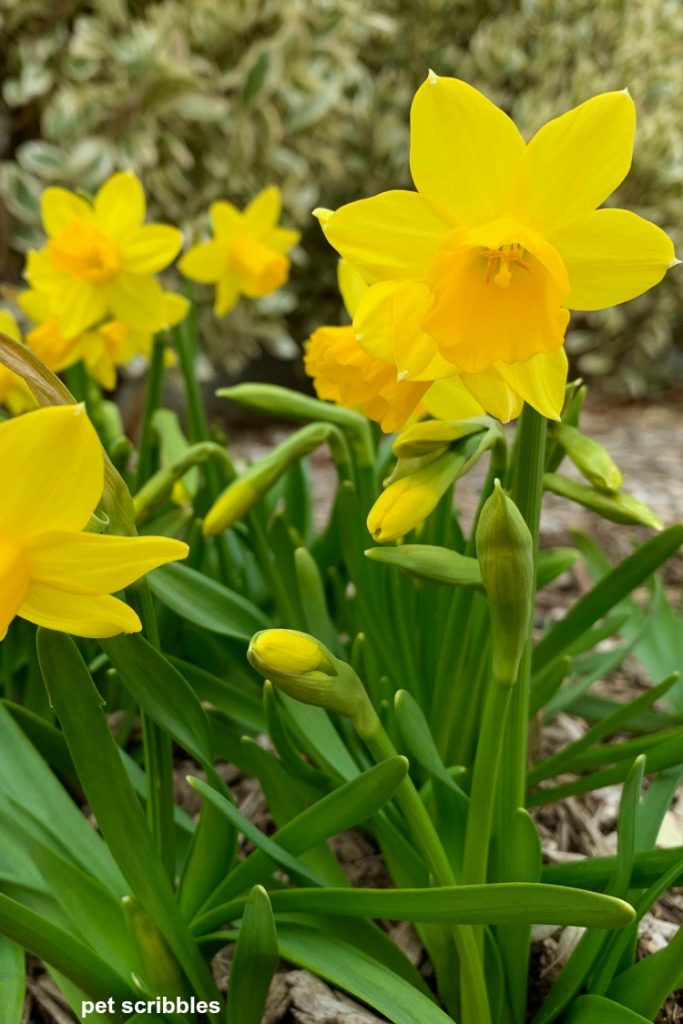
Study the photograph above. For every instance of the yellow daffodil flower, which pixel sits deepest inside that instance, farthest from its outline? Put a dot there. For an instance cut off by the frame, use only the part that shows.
(51, 572)
(475, 273)
(247, 255)
(15, 395)
(100, 258)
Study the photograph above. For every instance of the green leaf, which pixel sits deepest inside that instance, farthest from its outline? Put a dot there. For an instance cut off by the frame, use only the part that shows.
(597, 1010)
(78, 706)
(552, 562)
(355, 972)
(617, 508)
(645, 986)
(162, 691)
(206, 603)
(255, 961)
(595, 872)
(237, 694)
(619, 582)
(428, 562)
(12, 981)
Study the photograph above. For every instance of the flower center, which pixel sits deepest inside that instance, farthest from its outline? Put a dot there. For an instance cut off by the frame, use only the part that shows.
(85, 252)
(261, 269)
(14, 580)
(499, 262)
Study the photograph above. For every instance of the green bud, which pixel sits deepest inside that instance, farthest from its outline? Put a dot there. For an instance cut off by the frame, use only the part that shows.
(618, 508)
(242, 494)
(304, 669)
(506, 560)
(432, 563)
(428, 436)
(589, 457)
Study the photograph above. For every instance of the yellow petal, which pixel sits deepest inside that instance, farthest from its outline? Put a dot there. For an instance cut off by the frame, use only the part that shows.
(540, 381)
(53, 471)
(90, 563)
(78, 614)
(59, 208)
(9, 326)
(225, 220)
(138, 300)
(81, 305)
(392, 235)
(42, 275)
(261, 215)
(151, 248)
(463, 150)
(495, 396)
(282, 239)
(120, 205)
(352, 285)
(15, 577)
(35, 304)
(575, 161)
(227, 294)
(449, 399)
(388, 324)
(205, 263)
(612, 256)
(175, 308)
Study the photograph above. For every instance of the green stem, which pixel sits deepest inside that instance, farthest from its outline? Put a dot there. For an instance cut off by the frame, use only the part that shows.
(474, 996)
(155, 380)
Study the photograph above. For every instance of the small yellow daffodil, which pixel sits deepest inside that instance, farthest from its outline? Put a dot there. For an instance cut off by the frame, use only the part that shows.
(248, 253)
(100, 258)
(15, 395)
(475, 273)
(51, 572)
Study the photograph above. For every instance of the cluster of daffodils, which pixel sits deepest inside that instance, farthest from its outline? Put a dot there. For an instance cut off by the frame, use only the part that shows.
(93, 292)
(460, 292)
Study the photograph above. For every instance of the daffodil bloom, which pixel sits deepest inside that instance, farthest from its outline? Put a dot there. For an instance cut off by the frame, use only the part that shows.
(248, 252)
(473, 276)
(14, 393)
(102, 348)
(100, 258)
(407, 501)
(51, 572)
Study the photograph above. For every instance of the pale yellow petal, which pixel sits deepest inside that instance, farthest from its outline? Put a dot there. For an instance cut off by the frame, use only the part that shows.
(175, 308)
(9, 326)
(205, 263)
(15, 577)
(392, 235)
(612, 256)
(540, 381)
(35, 304)
(227, 294)
(139, 301)
(120, 205)
(90, 563)
(282, 239)
(53, 471)
(575, 161)
(78, 614)
(151, 248)
(449, 399)
(495, 396)
(81, 305)
(59, 208)
(262, 213)
(463, 150)
(352, 285)
(226, 220)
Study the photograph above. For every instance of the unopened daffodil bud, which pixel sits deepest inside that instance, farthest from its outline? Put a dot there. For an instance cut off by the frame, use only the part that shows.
(618, 508)
(428, 436)
(589, 457)
(407, 501)
(242, 494)
(304, 669)
(506, 560)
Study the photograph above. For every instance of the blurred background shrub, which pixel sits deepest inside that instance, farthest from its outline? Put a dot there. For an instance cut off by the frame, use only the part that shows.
(218, 98)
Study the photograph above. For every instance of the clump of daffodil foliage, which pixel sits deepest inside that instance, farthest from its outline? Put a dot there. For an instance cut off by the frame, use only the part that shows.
(312, 95)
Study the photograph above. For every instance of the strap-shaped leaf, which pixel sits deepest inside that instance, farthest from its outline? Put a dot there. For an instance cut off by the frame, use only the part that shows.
(206, 602)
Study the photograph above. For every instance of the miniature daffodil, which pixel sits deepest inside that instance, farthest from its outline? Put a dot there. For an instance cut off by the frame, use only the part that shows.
(248, 252)
(51, 572)
(476, 272)
(100, 258)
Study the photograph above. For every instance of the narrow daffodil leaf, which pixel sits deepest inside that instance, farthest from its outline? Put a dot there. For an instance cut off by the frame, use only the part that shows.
(206, 603)
(617, 508)
(12, 981)
(598, 1010)
(254, 962)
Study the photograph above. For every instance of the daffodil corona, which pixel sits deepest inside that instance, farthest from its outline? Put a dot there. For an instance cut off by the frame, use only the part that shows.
(248, 253)
(100, 258)
(51, 572)
(472, 277)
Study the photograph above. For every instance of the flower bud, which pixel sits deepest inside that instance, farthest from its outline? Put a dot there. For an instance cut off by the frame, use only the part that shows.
(407, 501)
(242, 494)
(506, 560)
(589, 457)
(428, 436)
(304, 669)
(618, 508)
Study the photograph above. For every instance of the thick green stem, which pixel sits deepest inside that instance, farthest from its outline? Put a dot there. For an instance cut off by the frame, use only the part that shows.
(474, 996)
